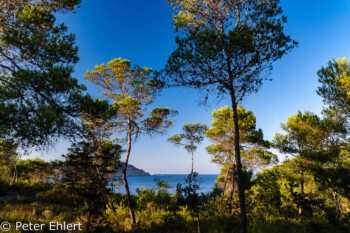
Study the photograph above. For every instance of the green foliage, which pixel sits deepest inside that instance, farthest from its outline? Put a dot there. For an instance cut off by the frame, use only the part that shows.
(163, 186)
(331, 168)
(29, 188)
(253, 146)
(267, 190)
(187, 194)
(86, 175)
(304, 131)
(38, 97)
(192, 134)
(335, 84)
(229, 46)
(34, 169)
(277, 199)
(153, 198)
(331, 163)
(317, 144)
(131, 90)
(120, 81)
(8, 160)
(52, 5)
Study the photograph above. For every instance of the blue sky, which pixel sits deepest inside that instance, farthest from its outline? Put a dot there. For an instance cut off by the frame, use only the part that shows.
(141, 31)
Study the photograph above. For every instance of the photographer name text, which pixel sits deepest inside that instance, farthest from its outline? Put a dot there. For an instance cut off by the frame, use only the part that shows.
(53, 226)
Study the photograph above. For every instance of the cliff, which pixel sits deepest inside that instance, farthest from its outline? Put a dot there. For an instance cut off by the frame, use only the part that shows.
(131, 171)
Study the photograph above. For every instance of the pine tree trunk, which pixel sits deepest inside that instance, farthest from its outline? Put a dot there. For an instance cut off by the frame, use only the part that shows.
(198, 223)
(239, 166)
(127, 191)
(337, 204)
(301, 212)
(88, 221)
(77, 213)
(191, 175)
(14, 178)
(192, 165)
(225, 183)
(190, 181)
(233, 185)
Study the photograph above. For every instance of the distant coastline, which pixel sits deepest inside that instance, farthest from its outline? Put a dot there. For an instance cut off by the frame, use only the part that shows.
(131, 171)
(206, 182)
(134, 171)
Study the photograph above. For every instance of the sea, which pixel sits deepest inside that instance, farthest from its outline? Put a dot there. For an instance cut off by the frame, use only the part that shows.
(206, 182)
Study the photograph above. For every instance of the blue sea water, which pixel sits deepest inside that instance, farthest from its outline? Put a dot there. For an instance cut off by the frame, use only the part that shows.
(206, 182)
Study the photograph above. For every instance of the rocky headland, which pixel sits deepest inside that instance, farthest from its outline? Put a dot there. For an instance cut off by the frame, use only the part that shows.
(131, 171)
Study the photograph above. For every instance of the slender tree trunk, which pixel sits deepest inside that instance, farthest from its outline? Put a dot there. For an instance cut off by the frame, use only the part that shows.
(239, 166)
(337, 203)
(225, 183)
(233, 184)
(301, 211)
(191, 175)
(77, 212)
(14, 178)
(192, 164)
(198, 223)
(189, 183)
(88, 220)
(127, 191)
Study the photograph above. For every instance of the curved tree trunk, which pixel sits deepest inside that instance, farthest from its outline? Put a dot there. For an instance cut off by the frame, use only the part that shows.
(127, 191)
(77, 213)
(239, 166)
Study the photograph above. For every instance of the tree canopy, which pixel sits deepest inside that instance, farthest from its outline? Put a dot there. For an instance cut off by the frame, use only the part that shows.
(39, 99)
(132, 90)
(335, 87)
(227, 47)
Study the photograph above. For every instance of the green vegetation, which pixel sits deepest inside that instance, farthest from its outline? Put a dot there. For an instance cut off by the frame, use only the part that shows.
(192, 134)
(253, 146)
(38, 97)
(226, 47)
(131, 90)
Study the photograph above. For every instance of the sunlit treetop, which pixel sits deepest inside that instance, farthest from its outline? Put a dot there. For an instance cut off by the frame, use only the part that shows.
(132, 90)
(223, 124)
(191, 135)
(307, 131)
(226, 47)
(253, 146)
(335, 85)
(52, 5)
(120, 81)
(222, 15)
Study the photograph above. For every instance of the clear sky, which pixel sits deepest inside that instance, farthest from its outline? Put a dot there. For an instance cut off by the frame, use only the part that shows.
(141, 31)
